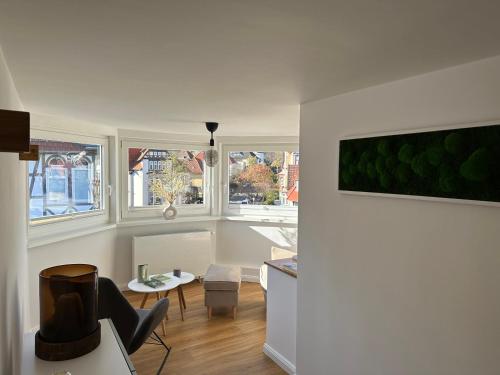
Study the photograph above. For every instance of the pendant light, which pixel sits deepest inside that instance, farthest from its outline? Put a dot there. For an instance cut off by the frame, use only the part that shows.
(211, 155)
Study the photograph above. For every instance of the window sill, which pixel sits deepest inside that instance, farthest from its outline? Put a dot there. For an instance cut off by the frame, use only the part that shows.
(192, 219)
(262, 219)
(161, 221)
(53, 238)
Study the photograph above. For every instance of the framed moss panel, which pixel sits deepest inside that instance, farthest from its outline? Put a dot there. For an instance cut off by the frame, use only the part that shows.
(461, 163)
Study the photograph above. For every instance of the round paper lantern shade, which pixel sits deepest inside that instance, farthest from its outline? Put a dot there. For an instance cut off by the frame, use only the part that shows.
(212, 157)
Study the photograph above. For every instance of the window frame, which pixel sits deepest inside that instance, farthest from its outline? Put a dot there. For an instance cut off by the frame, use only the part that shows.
(79, 220)
(228, 209)
(137, 213)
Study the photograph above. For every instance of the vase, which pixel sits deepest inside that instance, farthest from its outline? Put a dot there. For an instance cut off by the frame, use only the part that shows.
(169, 212)
(142, 273)
(68, 312)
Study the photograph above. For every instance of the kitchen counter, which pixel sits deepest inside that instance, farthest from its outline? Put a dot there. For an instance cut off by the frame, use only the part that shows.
(281, 265)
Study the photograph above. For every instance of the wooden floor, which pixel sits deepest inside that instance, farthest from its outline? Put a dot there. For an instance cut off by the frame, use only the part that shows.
(221, 346)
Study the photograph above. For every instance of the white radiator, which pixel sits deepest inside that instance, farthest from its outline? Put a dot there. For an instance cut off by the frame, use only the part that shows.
(191, 252)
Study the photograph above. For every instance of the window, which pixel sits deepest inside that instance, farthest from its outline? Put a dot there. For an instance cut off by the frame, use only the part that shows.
(66, 180)
(158, 174)
(261, 180)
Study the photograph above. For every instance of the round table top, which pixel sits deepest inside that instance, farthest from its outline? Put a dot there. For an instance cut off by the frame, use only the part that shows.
(185, 278)
(173, 283)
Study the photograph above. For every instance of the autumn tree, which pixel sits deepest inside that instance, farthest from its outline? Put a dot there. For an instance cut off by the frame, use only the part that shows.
(257, 178)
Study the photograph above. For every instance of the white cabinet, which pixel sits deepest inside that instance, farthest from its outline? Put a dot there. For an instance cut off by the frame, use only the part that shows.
(281, 318)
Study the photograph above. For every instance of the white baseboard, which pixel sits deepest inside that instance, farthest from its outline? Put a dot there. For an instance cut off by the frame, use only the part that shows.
(250, 278)
(281, 361)
(250, 274)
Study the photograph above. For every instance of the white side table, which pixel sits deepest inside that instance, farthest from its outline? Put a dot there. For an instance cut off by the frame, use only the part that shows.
(173, 283)
(138, 287)
(185, 278)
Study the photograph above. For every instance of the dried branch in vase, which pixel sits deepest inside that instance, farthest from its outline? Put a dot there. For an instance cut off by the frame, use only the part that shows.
(168, 182)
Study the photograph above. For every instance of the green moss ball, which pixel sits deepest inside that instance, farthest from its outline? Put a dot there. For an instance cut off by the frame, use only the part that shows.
(420, 166)
(454, 143)
(476, 168)
(403, 173)
(361, 166)
(406, 153)
(347, 177)
(385, 180)
(435, 155)
(346, 157)
(383, 147)
(380, 164)
(371, 171)
(391, 163)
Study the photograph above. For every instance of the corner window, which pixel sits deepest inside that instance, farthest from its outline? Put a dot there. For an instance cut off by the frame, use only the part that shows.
(159, 174)
(261, 180)
(66, 180)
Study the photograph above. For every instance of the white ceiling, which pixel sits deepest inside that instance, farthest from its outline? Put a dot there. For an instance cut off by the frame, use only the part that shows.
(246, 63)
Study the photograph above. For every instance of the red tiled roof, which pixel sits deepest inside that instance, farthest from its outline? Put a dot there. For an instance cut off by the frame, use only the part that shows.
(200, 155)
(195, 165)
(293, 194)
(135, 157)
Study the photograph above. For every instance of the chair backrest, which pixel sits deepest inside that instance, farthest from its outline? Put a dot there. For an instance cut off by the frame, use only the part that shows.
(113, 305)
(148, 324)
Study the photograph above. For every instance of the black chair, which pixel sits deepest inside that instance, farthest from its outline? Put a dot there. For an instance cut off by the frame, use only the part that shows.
(133, 326)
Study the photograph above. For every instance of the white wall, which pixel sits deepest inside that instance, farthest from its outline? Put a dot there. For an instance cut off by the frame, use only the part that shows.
(397, 286)
(249, 244)
(12, 239)
(98, 249)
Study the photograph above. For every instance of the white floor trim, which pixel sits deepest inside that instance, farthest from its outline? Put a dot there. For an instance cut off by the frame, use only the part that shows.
(250, 278)
(250, 274)
(281, 361)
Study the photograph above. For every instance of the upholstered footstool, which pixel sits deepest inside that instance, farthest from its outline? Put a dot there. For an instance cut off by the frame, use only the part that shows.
(222, 287)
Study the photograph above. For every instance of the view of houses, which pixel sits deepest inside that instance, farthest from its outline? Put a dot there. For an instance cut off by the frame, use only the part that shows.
(147, 164)
(255, 178)
(65, 179)
(264, 178)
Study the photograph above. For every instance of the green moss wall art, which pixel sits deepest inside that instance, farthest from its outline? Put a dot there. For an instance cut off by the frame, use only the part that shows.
(461, 163)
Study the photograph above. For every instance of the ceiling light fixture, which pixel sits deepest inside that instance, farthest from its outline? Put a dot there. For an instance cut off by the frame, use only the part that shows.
(211, 155)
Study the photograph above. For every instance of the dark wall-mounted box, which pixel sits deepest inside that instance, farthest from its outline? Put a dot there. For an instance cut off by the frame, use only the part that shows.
(14, 131)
